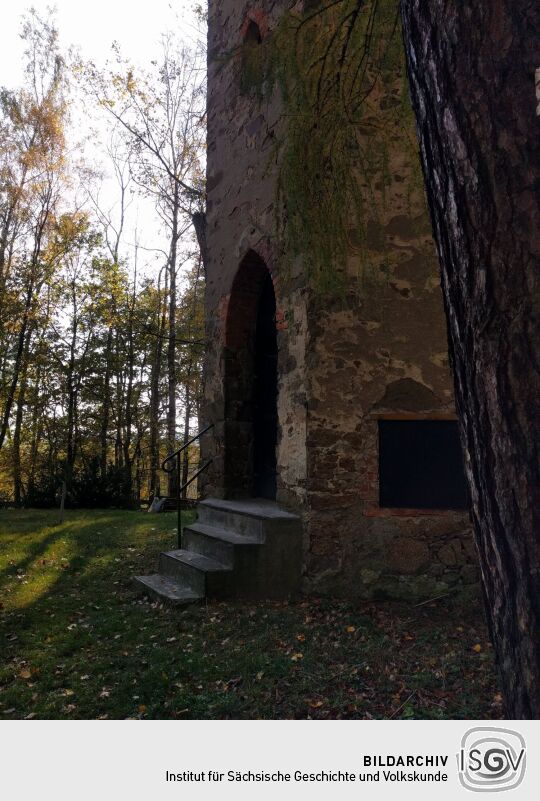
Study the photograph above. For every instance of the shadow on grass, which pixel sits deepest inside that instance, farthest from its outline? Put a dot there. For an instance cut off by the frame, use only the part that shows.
(36, 549)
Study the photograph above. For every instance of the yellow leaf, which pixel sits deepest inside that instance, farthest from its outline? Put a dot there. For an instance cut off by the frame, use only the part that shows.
(350, 629)
(142, 709)
(297, 657)
(477, 648)
(25, 674)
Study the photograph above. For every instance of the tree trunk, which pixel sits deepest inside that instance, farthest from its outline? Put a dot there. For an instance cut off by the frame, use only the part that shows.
(36, 431)
(106, 407)
(171, 352)
(187, 416)
(472, 75)
(71, 395)
(17, 431)
(199, 224)
(10, 400)
(128, 403)
(155, 374)
(118, 444)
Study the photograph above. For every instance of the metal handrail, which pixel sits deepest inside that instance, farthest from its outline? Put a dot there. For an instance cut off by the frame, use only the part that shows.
(181, 450)
(173, 462)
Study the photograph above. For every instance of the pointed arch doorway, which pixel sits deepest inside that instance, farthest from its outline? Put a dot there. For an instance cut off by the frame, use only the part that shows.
(251, 384)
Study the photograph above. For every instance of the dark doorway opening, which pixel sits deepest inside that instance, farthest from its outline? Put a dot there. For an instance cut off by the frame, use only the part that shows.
(250, 384)
(253, 34)
(265, 395)
(421, 465)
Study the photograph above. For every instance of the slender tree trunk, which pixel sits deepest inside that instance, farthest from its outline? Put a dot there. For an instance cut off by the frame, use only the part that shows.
(71, 391)
(187, 415)
(472, 74)
(33, 287)
(17, 431)
(106, 407)
(200, 226)
(19, 354)
(118, 446)
(171, 351)
(36, 429)
(155, 374)
(128, 412)
(70, 437)
(9, 230)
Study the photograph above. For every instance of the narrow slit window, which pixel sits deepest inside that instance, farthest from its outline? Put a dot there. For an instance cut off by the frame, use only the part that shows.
(421, 465)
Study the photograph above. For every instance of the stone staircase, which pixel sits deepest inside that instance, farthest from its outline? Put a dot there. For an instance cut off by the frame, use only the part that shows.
(235, 549)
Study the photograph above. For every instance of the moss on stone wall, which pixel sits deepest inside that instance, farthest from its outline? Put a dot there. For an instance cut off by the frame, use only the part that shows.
(340, 68)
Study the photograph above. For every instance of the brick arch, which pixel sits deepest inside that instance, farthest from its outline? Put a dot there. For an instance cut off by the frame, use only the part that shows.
(239, 361)
(258, 17)
(242, 306)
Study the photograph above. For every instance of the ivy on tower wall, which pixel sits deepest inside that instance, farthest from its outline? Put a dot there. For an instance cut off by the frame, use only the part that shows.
(340, 70)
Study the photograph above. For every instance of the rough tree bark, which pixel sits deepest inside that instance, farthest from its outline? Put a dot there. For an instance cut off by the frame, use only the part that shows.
(472, 75)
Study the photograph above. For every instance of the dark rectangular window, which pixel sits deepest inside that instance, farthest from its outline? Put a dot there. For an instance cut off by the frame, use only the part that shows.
(421, 465)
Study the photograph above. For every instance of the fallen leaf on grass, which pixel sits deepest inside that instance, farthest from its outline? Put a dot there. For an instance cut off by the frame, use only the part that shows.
(297, 657)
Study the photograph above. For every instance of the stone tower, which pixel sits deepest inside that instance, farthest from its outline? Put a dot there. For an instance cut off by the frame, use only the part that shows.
(338, 408)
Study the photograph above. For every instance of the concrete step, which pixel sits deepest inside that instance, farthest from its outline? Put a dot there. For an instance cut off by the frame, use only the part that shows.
(216, 543)
(204, 576)
(167, 590)
(252, 517)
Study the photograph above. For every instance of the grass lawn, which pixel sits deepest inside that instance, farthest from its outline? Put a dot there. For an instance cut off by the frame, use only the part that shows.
(78, 641)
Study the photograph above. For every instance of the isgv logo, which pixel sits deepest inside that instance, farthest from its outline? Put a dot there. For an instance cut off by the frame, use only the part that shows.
(491, 760)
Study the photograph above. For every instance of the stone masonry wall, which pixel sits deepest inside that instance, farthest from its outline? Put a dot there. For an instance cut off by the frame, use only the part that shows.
(242, 179)
(382, 353)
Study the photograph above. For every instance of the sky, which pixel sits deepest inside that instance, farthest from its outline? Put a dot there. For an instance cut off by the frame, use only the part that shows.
(92, 27)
